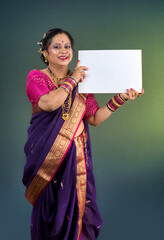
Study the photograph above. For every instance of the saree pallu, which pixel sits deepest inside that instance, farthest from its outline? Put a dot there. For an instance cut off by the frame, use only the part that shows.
(55, 213)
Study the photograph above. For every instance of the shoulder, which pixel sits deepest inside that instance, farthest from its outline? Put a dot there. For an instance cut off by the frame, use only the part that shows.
(35, 73)
(39, 79)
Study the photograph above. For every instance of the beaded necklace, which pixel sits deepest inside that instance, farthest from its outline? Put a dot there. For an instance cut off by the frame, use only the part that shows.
(56, 79)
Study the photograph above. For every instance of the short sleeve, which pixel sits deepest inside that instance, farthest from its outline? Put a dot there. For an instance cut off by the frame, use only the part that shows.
(37, 85)
(92, 106)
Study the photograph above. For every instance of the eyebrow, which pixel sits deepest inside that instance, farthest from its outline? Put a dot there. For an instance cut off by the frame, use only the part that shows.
(61, 43)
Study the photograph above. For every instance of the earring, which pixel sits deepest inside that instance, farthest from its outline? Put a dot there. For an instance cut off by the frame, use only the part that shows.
(45, 60)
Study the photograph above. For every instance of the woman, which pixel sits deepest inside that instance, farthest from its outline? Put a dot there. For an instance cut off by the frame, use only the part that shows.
(58, 172)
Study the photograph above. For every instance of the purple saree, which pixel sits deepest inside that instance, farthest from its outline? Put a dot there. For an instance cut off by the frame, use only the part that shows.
(50, 176)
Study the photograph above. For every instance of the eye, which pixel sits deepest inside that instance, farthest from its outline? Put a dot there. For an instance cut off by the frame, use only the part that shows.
(67, 46)
(56, 47)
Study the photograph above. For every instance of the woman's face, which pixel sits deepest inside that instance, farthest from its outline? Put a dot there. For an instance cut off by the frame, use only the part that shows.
(60, 51)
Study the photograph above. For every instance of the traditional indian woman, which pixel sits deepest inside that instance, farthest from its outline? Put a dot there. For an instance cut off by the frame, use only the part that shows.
(58, 173)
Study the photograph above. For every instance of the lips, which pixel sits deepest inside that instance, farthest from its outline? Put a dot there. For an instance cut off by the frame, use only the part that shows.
(63, 58)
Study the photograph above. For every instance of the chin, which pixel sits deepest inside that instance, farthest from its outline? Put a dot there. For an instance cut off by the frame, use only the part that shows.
(64, 64)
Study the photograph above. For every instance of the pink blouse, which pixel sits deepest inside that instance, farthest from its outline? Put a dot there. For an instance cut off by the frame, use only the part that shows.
(39, 84)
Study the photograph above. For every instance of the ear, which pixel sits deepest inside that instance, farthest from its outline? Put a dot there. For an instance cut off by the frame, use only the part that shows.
(45, 54)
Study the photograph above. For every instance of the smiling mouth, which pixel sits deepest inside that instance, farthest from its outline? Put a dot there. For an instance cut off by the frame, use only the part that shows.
(63, 58)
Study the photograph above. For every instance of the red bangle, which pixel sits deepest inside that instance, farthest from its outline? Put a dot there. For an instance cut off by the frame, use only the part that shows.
(115, 103)
(69, 84)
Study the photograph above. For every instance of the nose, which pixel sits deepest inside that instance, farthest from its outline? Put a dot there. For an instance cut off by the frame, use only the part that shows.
(63, 50)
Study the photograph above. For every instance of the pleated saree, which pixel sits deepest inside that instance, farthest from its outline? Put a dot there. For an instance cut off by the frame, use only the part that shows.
(58, 176)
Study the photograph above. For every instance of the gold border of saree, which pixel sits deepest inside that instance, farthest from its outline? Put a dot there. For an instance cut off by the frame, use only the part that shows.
(57, 151)
(81, 183)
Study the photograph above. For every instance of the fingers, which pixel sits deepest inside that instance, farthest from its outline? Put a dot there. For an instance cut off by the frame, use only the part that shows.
(77, 64)
(83, 76)
(133, 94)
(79, 68)
(79, 73)
(141, 93)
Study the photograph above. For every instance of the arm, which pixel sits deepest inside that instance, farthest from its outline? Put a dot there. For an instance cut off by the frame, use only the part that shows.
(100, 116)
(42, 92)
(103, 113)
(54, 99)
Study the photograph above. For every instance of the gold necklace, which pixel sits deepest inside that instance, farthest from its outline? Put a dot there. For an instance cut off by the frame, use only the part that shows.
(67, 103)
(56, 79)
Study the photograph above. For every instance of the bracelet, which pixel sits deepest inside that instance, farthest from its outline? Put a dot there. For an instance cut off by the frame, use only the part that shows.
(73, 80)
(115, 103)
(68, 85)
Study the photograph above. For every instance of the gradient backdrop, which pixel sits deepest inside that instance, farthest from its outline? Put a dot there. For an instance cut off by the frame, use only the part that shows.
(128, 149)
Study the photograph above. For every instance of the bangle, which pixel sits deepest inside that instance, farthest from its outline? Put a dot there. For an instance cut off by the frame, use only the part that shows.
(64, 88)
(121, 98)
(68, 85)
(109, 108)
(115, 103)
(73, 80)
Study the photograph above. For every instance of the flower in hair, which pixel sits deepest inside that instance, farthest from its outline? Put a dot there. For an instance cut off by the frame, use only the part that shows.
(40, 50)
(40, 43)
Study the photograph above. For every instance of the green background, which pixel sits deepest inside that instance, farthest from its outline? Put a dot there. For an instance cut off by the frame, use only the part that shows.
(128, 149)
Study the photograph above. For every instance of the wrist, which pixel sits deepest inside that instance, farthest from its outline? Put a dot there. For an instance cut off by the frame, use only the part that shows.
(123, 96)
(116, 102)
(69, 84)
(74, 77)
(73, 80)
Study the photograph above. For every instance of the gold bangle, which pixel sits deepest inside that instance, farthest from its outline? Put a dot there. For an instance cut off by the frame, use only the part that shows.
(115, 103)
(109, 108)
(65, 89)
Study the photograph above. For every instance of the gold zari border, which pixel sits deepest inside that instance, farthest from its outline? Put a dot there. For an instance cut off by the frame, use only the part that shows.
(81, 183)
(57, 151)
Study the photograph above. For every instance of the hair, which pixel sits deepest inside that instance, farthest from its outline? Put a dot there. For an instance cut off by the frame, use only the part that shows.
(47, 39)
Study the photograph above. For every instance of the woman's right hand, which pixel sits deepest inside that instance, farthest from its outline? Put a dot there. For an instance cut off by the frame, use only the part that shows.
(79, 74)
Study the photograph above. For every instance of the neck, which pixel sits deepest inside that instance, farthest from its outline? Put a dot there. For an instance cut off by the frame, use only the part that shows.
(59, 71)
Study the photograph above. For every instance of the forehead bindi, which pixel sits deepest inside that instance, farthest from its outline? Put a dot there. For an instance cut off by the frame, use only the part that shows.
(60, 39)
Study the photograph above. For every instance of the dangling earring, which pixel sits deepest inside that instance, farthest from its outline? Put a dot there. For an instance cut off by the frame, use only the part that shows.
(45, 60)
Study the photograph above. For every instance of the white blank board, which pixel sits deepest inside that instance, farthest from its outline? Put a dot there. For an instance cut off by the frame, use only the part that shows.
(111, 71)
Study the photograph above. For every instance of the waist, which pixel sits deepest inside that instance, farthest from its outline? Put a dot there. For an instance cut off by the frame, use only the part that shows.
(83, 135)
(80, 129)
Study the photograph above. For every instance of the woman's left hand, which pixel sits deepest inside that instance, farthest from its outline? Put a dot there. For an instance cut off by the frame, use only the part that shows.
(131, 94)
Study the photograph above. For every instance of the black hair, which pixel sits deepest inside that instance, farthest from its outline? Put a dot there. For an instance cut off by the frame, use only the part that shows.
(47, 39)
